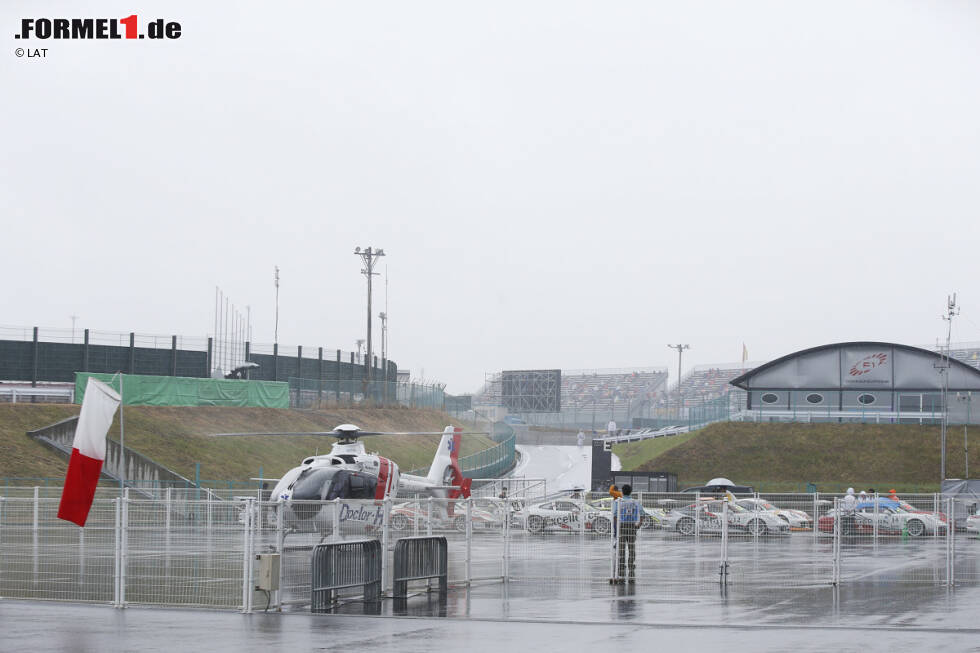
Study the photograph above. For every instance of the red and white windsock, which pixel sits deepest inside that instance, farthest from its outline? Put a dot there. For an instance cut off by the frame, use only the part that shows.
(88, 451)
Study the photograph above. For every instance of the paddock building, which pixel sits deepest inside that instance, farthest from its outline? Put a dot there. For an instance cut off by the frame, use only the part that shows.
(860, 382)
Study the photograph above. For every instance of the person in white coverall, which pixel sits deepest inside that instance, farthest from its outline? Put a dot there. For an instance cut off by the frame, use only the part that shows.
(847, 507)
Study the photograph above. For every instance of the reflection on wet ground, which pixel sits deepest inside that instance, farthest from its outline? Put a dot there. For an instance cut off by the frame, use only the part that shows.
(514, 617)
(861, 606)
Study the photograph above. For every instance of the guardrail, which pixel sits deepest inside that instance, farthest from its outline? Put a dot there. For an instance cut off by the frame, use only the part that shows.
(15, 394)
(646, 434)
(345, 565)
(420, 558)
(853, 416)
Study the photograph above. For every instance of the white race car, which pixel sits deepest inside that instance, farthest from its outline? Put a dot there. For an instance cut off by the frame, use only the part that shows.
(705, 517)
(651, 517)
(891, 519)
(797, 519)
(404, 516)
(564, 514)
(973, 524)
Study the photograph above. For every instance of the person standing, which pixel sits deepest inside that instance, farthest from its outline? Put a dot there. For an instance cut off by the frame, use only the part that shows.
(611, 428)
(627, 521)
(581, 437)
(847, 507)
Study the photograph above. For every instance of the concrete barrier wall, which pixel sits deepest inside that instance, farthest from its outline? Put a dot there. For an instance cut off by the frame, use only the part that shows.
(525, 435)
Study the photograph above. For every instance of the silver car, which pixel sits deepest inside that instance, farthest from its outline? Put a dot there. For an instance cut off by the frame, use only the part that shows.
(705, 516)
(564, 514)
(797, 520)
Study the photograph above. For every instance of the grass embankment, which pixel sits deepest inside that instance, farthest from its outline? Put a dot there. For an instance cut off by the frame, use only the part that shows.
(178, 438)
(785, 457)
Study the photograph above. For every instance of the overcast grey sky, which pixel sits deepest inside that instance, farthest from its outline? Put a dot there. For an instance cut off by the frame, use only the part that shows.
(557, 184)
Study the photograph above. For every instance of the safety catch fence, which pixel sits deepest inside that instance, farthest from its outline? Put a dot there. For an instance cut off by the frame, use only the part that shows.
(182, 551)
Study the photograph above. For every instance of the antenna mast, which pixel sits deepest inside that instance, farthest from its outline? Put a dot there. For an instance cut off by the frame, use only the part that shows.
(951, 312)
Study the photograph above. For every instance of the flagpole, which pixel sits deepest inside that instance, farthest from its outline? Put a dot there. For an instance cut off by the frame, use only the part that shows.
(122, 438)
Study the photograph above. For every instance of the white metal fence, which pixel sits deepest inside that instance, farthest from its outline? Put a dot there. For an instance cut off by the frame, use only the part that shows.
(190, 551)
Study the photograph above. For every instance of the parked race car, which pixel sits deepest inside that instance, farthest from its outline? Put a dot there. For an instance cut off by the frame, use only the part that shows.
(404, 516)
(973, 524)
(796, 519)
(891, 518)
(565, 514)
(651, 518)
(496, 507)
(910, 508)
(705, 517)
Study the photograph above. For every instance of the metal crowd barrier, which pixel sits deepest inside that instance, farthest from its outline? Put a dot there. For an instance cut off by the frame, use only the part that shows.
(420, 558)
(345, 565)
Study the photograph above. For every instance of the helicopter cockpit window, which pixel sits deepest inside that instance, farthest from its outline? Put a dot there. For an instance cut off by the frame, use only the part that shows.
(362, 487)
(348, 458)
(311, 483)
(347, 485)
(340, 488)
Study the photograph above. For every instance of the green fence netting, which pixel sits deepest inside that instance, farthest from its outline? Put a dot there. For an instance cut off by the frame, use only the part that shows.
(143, 390)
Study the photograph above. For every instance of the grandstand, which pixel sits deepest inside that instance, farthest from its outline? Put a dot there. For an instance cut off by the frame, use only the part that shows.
(593, 396)
(608, 388)
(708, 382)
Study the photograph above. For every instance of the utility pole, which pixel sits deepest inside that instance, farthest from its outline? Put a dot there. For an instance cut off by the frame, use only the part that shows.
(680, 355)
(73, 318)
(276, 340)
(369, 257)
(951, 312)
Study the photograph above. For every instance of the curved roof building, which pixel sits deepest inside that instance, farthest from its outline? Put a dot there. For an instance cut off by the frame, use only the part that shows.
(848, 380)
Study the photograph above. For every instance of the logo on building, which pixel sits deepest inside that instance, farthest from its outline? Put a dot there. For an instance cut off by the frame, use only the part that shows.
(868, 363)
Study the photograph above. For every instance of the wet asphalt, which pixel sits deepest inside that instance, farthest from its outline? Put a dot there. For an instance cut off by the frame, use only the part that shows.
(619, 619)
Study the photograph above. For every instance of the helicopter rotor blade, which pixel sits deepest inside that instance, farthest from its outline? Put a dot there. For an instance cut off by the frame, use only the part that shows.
(362, 433)
(342, 434)
(277, 433)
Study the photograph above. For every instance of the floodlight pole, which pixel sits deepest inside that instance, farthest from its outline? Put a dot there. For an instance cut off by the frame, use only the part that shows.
(680, 355)
(369, 257)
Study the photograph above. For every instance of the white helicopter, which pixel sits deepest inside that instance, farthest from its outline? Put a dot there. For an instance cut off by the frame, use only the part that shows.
(348, 472)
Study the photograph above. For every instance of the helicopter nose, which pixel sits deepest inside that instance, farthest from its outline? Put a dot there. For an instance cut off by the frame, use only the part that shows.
(308, 492)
